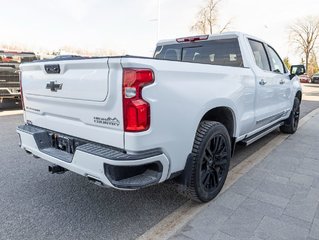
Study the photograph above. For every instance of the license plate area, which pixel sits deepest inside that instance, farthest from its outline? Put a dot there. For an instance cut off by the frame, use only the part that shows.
(65, 143)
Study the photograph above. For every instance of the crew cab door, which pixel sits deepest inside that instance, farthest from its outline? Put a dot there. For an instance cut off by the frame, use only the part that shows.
(269, 105)
(281, 76)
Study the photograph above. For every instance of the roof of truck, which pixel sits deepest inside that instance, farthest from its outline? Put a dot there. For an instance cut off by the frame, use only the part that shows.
(210, 37)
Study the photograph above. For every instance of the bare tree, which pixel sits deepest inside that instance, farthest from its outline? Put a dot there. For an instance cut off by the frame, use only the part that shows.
(225, 27)
(304, 33)
(201, 23)
(207, 18)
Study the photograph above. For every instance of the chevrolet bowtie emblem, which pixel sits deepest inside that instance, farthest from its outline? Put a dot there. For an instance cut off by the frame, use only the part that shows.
(54, 86)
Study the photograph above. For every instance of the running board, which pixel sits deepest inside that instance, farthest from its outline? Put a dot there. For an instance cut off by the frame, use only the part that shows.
(250, 140)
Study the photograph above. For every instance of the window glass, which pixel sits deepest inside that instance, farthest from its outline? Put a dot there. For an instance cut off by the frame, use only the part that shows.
(260, 54)
(225, 52)
(276, 63)
(294, 69)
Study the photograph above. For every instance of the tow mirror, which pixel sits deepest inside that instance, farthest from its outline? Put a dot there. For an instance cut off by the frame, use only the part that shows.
(297, 70)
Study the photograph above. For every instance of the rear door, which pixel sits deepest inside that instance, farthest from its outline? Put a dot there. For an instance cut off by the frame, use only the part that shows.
(281, 76)
(81, 98)
(268, 107)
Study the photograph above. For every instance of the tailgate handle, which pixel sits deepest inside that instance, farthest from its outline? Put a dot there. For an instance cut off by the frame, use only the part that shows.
(52, 68)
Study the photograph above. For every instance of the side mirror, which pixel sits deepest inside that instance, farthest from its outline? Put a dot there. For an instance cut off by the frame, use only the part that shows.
(297, 70)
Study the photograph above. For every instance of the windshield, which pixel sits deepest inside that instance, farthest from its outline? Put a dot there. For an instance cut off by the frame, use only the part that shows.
(14, 57)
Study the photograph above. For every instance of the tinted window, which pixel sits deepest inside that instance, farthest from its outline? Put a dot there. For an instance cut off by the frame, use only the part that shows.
(260, 54)
(275, 61)
(224, 52)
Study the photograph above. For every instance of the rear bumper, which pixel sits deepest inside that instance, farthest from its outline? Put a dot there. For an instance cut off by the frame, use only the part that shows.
(107, 165)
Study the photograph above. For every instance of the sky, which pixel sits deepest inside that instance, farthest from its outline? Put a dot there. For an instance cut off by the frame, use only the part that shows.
(134, 26)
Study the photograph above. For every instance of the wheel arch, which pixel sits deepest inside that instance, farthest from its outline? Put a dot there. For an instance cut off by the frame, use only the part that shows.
(224, 115)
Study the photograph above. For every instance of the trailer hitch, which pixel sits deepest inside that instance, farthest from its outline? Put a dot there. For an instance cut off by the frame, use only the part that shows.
(57, 169)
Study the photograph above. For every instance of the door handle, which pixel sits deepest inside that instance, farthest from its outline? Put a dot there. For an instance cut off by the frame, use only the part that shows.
(262, 82)
(282, 81)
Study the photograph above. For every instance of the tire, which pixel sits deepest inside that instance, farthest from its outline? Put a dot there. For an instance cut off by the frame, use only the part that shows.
(210, 163)
(291, 123)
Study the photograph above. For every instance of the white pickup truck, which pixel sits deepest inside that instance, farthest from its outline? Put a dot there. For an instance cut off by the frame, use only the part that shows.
(131, 122)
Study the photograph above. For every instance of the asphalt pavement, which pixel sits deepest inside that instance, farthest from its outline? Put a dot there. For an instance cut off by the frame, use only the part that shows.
(37, 205)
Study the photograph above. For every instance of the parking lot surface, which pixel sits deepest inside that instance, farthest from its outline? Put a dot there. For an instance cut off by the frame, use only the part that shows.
(37, 205)
(276, 199)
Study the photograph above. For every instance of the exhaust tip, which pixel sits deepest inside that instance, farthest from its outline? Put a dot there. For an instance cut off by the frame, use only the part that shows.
(95, 181)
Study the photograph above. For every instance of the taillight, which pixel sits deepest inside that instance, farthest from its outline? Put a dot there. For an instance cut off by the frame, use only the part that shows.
(21, 93)
(136, 111)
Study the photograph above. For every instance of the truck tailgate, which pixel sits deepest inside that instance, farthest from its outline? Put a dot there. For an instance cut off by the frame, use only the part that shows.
(81, 80)
(81, 98)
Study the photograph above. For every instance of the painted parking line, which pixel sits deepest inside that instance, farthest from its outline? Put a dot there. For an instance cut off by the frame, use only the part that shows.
(9, 113)
(169, 226)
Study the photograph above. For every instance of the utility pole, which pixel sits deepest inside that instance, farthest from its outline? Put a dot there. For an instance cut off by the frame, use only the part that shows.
(158, 19)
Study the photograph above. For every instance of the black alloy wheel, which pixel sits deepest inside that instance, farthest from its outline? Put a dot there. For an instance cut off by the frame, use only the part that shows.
(210, 162)
(290, 125)
(214, 163)
(296, 113)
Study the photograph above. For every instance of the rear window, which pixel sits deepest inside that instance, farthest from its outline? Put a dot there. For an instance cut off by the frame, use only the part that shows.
(225, 52)
(13, 57)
